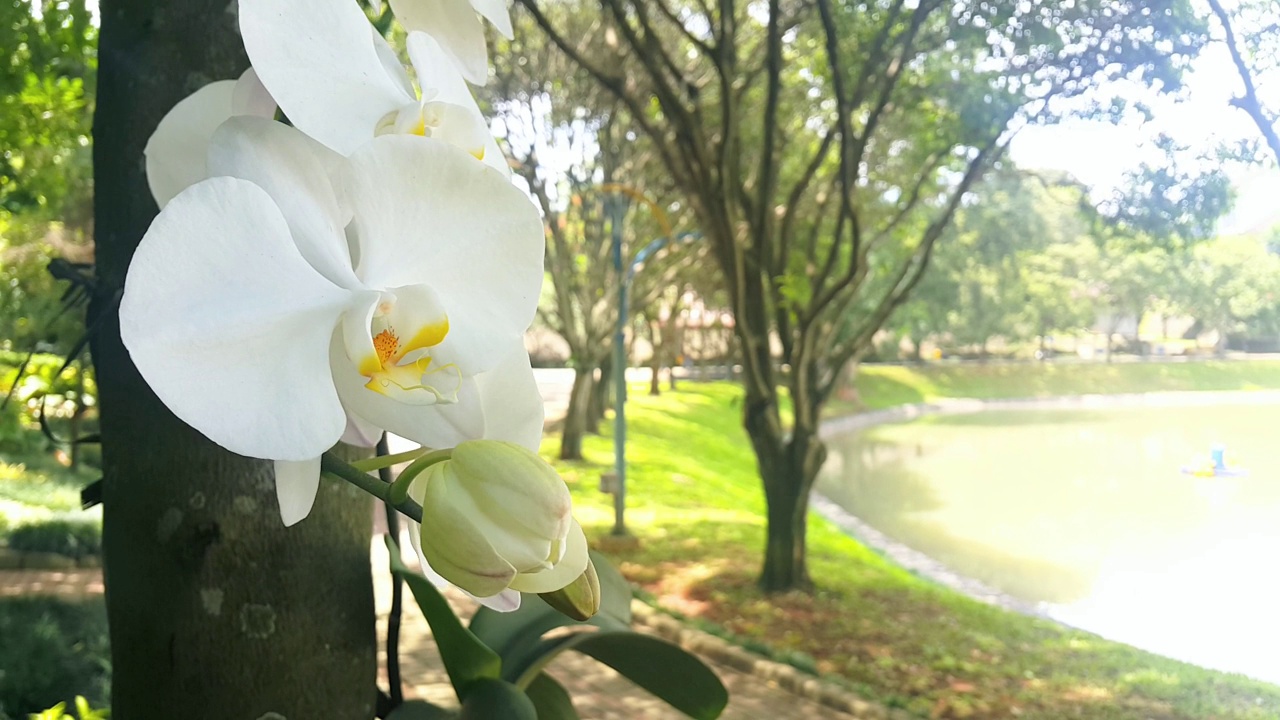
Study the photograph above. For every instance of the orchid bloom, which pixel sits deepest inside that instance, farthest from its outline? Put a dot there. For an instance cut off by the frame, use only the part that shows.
(457, 28)
(176, 152)
(298, 297)
(497, 521)
(338, 80)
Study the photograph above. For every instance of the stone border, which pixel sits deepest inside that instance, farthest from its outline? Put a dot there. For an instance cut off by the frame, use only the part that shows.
(723, 652)
(25, 560)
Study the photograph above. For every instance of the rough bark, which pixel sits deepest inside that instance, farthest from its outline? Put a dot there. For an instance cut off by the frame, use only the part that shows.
(575, 419)
(788, 471)
(216, 610)
(600, 392)
(658, 347)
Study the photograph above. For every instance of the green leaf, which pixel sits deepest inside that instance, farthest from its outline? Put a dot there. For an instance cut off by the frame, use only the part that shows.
(508, 632)
(466, 657)
(418, 710)
(489, 699)
(550, 699)
(665, 670)
(615, 591)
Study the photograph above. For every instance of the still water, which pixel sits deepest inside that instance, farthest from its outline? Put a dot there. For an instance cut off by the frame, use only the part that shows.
(1088, 513)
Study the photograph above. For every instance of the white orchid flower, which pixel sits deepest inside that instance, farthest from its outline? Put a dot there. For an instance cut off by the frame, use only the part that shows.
(275, 314)
(176, 152)
(497, 521)
(338, 80)
(454, 24)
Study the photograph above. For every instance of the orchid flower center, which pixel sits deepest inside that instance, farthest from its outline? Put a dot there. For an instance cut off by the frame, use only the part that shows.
(397, 347)
(445, 121)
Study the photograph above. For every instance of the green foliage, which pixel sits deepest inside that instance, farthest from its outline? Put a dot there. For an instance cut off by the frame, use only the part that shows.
(52, 652)
(695, 502)
(73, 536)
(1231, 285)
(465, 657)
(46, 108)
(48, 66)
(667, 671)
(42, 389)
(490, 698)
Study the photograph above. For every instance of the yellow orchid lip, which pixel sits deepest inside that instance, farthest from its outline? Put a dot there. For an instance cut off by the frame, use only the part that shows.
(400, 370)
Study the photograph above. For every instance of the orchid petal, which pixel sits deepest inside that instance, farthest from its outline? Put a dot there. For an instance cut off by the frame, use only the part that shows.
(459, 127)
(570, 566)
(320, 61)
(513, 407)
(231, 326)
(250, 97)
(357, 335)
(437, 426)
(425, 210)
(360, 432)
(442, 83)
(495, 11)
(176, 152)
(506, 601)
(468, 559)
(456, 26)
(392, 64)
(297, 482)
(294, 170)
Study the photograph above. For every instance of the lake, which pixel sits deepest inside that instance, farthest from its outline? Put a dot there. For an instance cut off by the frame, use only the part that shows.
(1087, 513)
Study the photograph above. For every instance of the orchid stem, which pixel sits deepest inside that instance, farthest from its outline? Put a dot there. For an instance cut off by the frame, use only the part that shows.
(397, 593)
(343, 470)
(399, 491)
(382, 461)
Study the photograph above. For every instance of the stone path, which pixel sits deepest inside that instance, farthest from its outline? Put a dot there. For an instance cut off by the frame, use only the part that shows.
(598, 692)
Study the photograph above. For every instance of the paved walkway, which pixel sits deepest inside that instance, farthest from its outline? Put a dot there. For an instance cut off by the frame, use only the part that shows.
(598, 692)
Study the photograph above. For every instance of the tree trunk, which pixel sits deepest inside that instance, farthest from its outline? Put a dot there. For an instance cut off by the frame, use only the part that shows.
(575, 419)
(655, 358)
(216, 610)
(788, 473)
(599, 401)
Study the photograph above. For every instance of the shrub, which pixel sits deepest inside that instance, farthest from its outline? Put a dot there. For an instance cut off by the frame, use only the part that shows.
(53, 650)
(76, 537)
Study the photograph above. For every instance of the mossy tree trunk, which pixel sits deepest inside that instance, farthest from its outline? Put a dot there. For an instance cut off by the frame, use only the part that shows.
(216, 610)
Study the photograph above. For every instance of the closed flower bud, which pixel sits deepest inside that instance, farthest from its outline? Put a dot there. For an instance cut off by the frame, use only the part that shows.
(497, 518)
(579, 599)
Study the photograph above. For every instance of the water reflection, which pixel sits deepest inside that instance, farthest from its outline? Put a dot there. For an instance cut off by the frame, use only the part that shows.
(1088, 511)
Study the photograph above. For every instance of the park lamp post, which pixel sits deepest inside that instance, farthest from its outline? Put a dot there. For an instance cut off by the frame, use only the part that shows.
(616, 206)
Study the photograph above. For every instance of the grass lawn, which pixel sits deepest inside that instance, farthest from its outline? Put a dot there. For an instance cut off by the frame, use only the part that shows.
(33, 486)
(695, 502)
(888, 385)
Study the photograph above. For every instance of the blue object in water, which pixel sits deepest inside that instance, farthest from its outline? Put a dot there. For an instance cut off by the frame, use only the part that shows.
(1218, 454)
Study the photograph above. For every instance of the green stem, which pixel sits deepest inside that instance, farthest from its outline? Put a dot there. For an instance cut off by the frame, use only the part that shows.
(382, 461)
(399, 491)
(343, 470)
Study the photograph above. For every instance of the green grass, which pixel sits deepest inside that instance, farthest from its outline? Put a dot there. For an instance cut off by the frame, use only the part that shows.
(882, 386)
(35, 486)
(695, 502)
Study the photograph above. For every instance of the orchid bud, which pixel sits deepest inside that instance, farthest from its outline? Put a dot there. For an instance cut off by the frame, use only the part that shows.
(496, 517)
(579, 599)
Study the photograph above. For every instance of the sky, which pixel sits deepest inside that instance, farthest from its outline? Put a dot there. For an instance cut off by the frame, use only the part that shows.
(1098, 153)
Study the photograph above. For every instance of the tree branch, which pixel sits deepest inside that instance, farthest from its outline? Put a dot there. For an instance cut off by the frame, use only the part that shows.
(1249, 102)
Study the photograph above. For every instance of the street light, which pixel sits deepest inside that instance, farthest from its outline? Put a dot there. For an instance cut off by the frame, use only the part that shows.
(616, 206)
